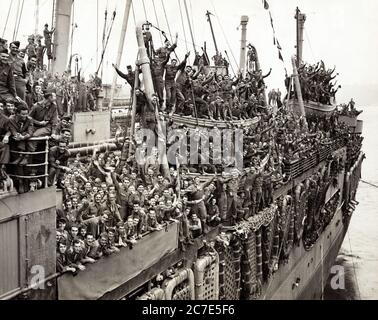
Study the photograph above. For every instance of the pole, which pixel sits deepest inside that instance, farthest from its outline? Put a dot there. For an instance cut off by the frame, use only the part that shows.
(190, 27)
(134, 105)
(229, 62)
(97, 33)
(120, 48)
(301, 19)
(15, 25)
(62, 34)
(6, 21)
(212, 32)
(36, 17)
(144, 63)
(243, 44)
(298, 88)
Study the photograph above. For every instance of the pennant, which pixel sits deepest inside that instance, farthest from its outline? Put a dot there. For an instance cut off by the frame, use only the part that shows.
(266, 4)
(278, 45)
(271, 20)
(280, 56)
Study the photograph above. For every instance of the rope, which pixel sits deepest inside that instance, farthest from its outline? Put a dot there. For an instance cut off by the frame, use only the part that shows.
(224, 35)
(157, 20)
(183, 26)
(17, 15)
(144, 8)
(354, 268)
(309, 44)
(107, 40)
(19, 19)
(6, 21)
(370, 184)
(132, 7)
(166, 19)
(191, 13)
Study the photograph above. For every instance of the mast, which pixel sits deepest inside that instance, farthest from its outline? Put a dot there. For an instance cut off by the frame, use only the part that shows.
(62, 34)
(301, 19)
(144, 63)
(120, 48)
(36, 17)
(298, 88)
(190, 27)
(243, 44)
(212, 31)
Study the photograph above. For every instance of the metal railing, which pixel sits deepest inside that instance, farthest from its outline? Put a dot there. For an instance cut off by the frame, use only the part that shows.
(297, 167)
(44, 164)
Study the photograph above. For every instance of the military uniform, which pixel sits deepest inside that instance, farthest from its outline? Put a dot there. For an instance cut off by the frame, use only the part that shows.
(7, 82)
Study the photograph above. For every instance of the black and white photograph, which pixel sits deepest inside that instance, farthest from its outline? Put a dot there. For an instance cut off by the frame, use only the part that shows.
(188, 151)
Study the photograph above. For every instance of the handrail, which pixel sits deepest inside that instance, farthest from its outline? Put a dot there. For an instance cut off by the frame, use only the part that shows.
(45, 164)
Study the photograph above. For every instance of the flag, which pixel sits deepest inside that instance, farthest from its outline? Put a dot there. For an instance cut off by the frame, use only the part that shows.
(280, 56)
(266, 4)
(271, 20)
(278, 45)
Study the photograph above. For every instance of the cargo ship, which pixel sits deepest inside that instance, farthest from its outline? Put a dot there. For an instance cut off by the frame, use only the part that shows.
(285, 250)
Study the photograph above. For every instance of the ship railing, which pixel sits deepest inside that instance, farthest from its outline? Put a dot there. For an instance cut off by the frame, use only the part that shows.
(44, 164)
(297, 167)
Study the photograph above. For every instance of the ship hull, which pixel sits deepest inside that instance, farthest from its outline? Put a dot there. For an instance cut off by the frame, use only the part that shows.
(305, 275)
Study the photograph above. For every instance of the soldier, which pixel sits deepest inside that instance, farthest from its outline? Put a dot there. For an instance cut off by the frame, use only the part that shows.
(58, 157)
(44, 115)
(157, 72)
(47, 34)
(215, 108)
(129, 76)
(195, 226)
(197, 197)
(40, 52)
(163, 53)
(252, 58)
(170, 85)
(31, 48)
(256, 193)
(21, 73)
(226, 89)
(4, 143)
(148, 41)
(21, 128)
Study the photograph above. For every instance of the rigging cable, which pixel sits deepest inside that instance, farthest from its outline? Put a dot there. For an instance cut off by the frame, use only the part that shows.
(107, 41)
(144, 8)
(157, 21)
(166, 19)
(370, 184)
(354, 268)
(169, 28)
(191, 12)
(183, 26)
(19, 18)
(224, 35)
(6, 21)
(309, 43)
(15, 25)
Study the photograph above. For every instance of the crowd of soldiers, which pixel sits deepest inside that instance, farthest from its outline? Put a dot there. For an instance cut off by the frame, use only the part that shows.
(316, 83)
(34, 104)
(199, 91)
(108, 204)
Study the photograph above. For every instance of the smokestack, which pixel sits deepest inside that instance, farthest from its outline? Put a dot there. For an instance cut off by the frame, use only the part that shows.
(243, 45)
(62, 35)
